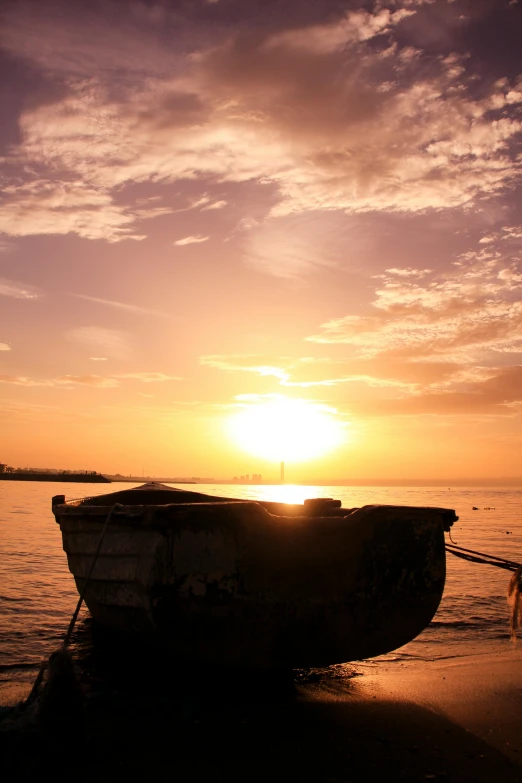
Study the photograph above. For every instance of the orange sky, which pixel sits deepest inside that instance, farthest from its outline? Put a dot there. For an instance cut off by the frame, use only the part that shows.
(210, 207)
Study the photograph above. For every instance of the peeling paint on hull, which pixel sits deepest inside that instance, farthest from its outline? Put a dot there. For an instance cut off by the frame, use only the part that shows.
(229, 583)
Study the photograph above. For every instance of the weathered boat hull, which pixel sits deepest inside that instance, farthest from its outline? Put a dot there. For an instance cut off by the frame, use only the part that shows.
(230, 583)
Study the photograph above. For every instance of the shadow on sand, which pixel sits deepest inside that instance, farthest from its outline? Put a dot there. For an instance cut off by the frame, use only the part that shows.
(149, 717)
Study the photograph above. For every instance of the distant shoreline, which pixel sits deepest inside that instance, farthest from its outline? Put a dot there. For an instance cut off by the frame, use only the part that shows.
(108, 478)
(77, 478)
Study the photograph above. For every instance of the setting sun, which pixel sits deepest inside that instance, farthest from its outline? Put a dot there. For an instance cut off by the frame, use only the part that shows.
(286, 429)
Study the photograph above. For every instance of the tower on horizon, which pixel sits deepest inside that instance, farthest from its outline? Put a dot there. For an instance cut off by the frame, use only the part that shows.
(282, 474)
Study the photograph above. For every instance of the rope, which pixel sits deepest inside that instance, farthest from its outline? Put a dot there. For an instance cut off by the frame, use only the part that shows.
(480, 557)
(67, 637)
(515, 584)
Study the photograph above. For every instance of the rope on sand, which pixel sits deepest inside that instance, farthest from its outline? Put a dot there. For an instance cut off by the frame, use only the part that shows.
(514, 596)
(67, 637)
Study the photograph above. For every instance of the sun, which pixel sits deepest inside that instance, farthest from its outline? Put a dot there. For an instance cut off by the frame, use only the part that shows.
(284, 429)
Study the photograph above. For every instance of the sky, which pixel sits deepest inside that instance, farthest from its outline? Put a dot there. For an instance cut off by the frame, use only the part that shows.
(239, 231)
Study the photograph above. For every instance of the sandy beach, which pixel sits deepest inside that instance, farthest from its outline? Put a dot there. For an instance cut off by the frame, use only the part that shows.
(450, 721)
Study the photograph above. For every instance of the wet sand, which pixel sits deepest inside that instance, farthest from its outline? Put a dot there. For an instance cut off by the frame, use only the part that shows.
(448, 721)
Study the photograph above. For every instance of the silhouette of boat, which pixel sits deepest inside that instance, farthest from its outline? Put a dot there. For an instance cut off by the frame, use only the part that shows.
(257, 584)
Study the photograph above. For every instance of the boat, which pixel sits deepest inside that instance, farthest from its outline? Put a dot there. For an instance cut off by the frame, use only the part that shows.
(256, 584)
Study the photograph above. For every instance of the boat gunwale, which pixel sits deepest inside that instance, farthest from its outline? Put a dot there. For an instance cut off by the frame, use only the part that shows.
(162, 515)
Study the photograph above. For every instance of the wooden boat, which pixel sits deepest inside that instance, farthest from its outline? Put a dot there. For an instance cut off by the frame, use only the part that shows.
(257, 584)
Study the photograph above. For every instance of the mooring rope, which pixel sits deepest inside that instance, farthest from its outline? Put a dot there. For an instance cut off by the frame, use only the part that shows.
(514, 595)
(67, 637)
(480, 557)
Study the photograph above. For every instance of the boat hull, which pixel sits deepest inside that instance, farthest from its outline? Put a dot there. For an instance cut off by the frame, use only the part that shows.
(230, 583)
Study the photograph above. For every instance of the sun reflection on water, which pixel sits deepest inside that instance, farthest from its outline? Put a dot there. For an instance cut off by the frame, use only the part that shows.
(293, 493)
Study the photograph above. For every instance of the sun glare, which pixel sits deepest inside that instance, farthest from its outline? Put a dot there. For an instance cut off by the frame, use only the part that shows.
(286, 429)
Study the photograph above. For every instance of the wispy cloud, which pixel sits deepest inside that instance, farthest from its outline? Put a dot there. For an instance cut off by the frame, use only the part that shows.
(150, 377)
(215, 205)
(382, 371)
(195, 240)
(292, 246)
(123, 306)
(21, 380)
(426, 361)
(5, 347)
(62, 380)
(353, 27)
(88, 380)
(18, 290)
(458, 315)
(414, 388)
(499, 394)
(406, 272)
(111, 342)
(244, 363)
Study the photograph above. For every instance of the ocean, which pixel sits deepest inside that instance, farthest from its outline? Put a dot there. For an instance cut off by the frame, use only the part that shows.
(38, 594)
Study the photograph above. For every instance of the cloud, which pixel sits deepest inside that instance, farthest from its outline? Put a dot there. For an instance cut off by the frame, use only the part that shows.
(18, 290)
(512, 232)
(190, 240)
(114, 343)
(215, 205)
(387, 387)
(20, 380)
(306, 372)
(83, 41)
(407, 272)
(57, 207)
(297, 372)
(150, 377)
(87, 380)
(473, 309)
(295, 245)
(360, 128)
(353, 27)
(338, 116)
(98, 358)
(245, 363)
(5, 347)
(67, 380)
(123, 306)
(500, 394)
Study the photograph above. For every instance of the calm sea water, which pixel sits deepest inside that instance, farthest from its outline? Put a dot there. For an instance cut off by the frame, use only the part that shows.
(38, 594)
